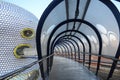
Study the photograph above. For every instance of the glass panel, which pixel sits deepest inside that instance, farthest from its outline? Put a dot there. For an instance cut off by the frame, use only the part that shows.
(101, 16)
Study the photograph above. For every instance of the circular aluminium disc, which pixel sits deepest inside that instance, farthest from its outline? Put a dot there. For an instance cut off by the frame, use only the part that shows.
(18, 50)
(27, 33)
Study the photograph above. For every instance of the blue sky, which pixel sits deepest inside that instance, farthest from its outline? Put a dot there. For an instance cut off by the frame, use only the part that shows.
(34, 6)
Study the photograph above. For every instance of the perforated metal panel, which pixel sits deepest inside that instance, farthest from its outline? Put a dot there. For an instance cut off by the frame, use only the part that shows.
(12, 20)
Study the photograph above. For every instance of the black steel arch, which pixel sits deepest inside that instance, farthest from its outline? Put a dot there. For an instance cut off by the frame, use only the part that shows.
(58, 49)
(72, 35)
(72, 45)
(65, 42)
(89, 25)
(63, 37)
(61, 49)
(54, 3)
(116, 14)
(66, 50)
(53, 49)
(83, 45)
(75, 43)
(76, 38)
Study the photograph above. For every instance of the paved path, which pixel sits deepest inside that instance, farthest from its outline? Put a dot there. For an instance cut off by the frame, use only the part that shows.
(66, 69)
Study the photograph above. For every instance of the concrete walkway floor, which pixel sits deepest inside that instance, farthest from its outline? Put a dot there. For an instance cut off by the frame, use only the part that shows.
(67, 69)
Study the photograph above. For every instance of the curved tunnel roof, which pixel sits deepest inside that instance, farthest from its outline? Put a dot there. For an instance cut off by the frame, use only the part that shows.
(103, 15)
(95, 22)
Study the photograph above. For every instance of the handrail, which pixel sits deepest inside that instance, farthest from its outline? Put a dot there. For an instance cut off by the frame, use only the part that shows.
(101, 61)
(105, 56)
(18, 71)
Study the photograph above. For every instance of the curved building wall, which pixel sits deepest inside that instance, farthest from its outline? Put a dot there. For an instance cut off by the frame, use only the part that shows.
(13, 20)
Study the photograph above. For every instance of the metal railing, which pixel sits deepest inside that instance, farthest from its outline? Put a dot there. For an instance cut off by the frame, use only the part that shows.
(104, 63)
(18, 71)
